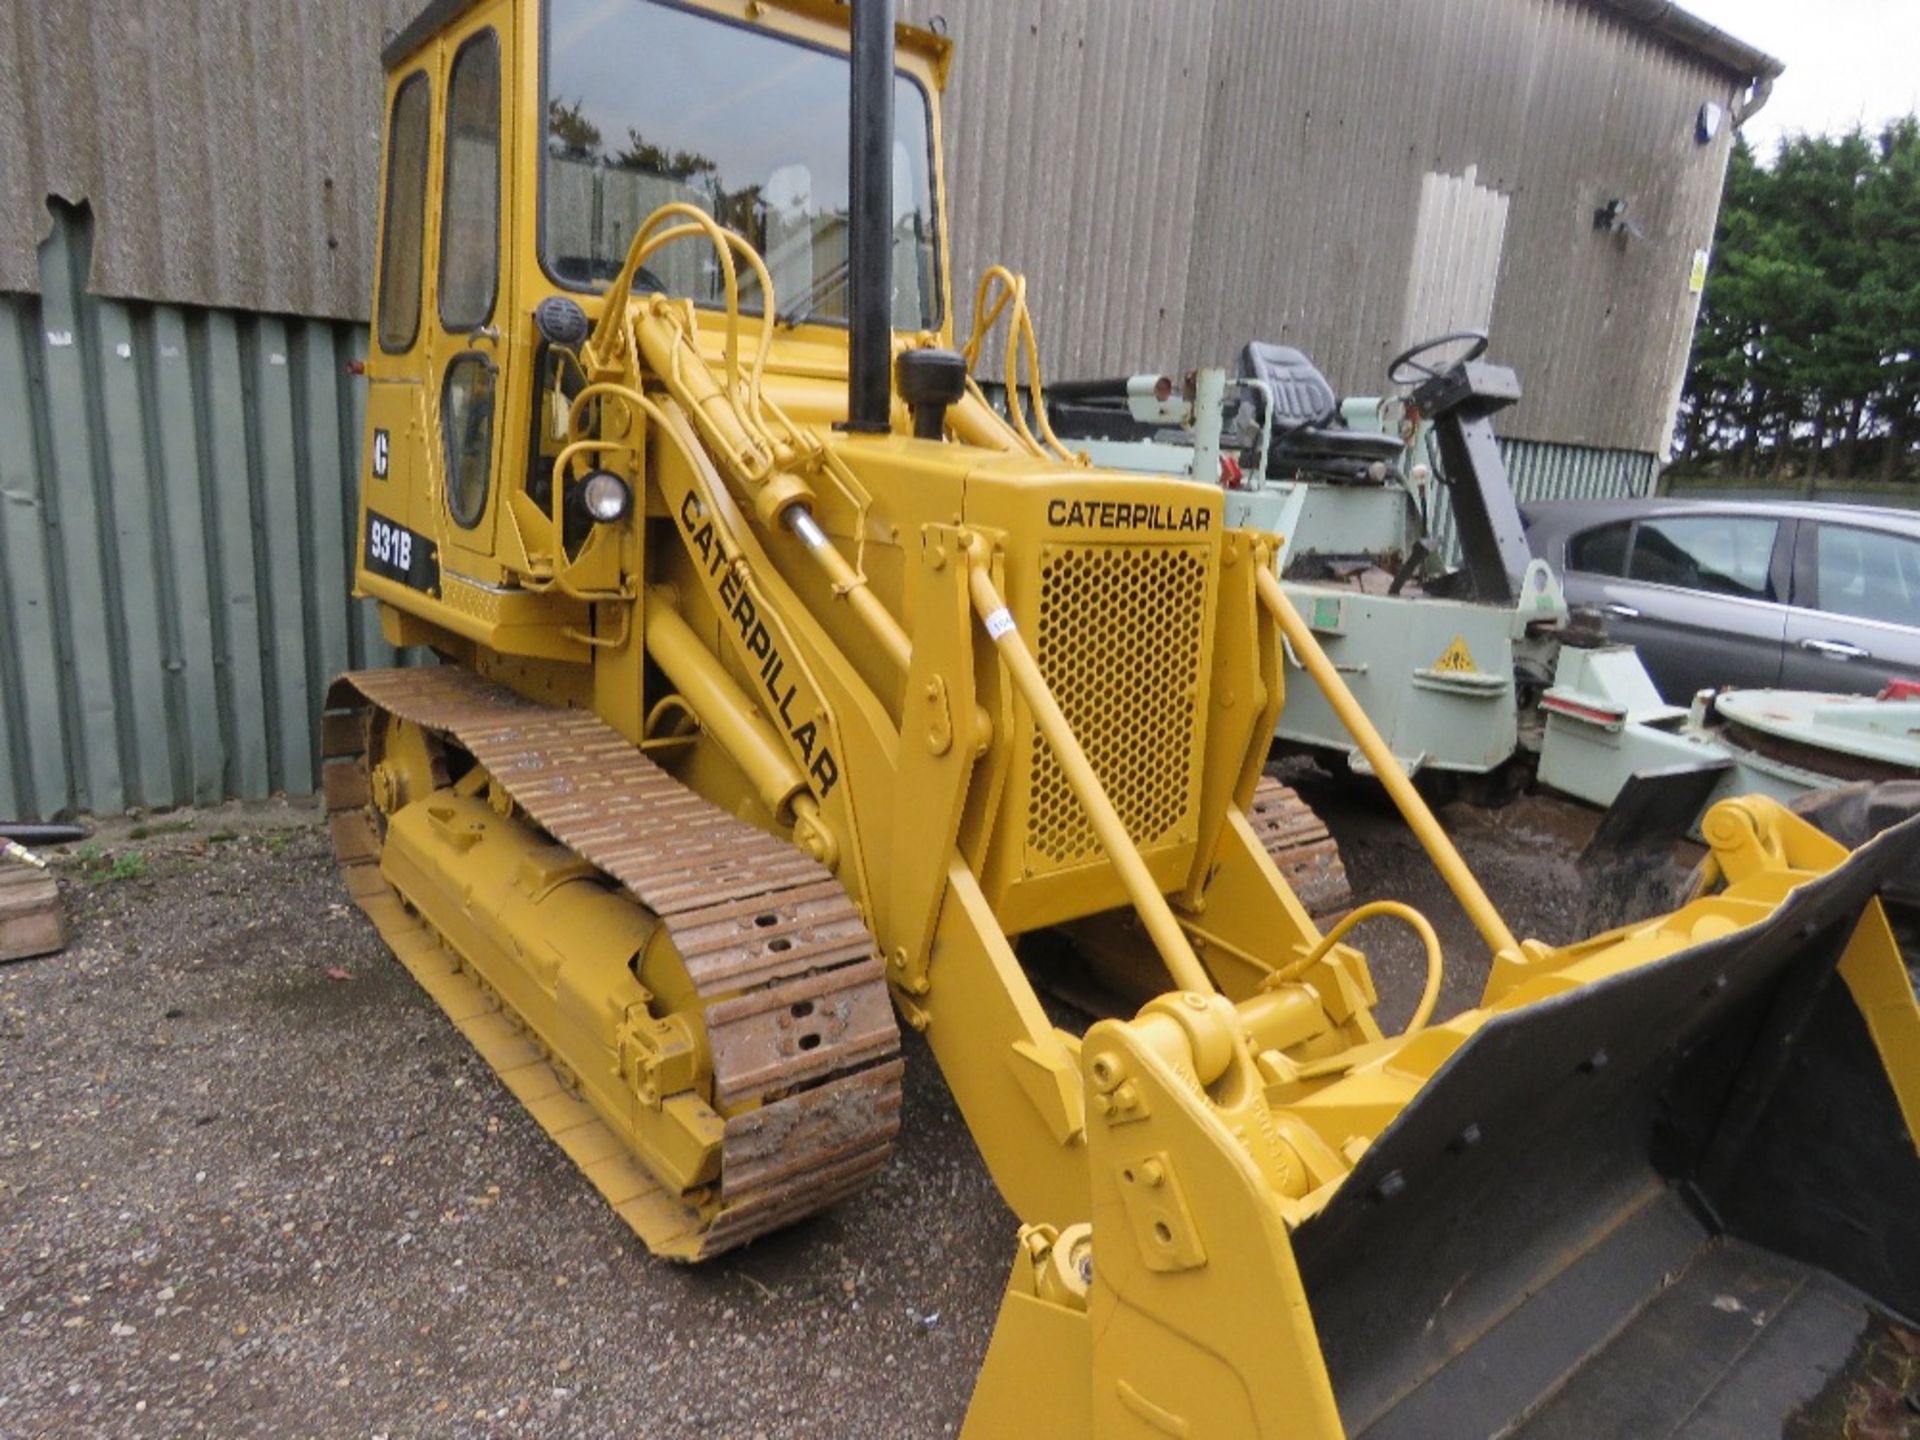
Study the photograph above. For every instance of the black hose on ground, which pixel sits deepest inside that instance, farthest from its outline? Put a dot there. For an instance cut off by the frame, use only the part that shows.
(22, 832)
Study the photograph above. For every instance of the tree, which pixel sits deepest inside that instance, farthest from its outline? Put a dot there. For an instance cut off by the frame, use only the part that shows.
(682, 165)
(570, 135)
(1807, 357)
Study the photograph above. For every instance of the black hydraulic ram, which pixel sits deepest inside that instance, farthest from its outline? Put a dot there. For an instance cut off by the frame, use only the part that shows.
(870, 221)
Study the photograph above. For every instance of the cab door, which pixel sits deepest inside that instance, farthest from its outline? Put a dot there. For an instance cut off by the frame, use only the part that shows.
(466, 383)
(395, 527)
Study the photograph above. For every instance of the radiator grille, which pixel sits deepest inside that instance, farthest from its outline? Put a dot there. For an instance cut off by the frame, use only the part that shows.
(1120, 635)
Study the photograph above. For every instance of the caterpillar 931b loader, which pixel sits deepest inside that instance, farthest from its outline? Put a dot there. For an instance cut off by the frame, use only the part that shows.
(785, 686)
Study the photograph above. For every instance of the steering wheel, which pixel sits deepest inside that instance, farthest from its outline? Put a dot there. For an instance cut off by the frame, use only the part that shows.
(1407, 368)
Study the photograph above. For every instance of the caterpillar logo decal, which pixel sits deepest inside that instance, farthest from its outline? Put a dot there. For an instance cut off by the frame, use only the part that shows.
(726, 571)
(1065, 514)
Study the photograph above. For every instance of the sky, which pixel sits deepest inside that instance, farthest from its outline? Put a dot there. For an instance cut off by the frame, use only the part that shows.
(1847, 61)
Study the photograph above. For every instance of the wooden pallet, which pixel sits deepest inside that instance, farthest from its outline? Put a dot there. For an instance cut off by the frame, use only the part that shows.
(32, 921)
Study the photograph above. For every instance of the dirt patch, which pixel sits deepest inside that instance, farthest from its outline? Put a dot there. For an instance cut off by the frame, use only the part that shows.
(251, 1182)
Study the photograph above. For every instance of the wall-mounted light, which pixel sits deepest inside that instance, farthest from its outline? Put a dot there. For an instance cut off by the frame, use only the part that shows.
(1707, 125)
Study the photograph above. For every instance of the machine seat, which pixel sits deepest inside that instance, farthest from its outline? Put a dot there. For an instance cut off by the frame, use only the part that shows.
(1308, 434)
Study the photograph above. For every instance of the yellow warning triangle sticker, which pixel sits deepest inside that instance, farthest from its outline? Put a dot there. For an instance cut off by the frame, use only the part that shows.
(1458, 660)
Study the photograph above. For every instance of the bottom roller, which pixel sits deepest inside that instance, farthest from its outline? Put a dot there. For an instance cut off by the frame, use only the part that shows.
(689, 1007)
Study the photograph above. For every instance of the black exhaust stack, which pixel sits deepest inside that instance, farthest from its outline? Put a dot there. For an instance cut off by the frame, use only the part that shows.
(870, 221)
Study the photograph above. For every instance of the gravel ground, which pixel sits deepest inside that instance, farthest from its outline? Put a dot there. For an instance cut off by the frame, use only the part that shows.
(251, 1183)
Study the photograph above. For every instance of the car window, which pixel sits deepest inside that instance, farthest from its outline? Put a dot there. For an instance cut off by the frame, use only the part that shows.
(1602, 551)
(1869, 575)
(1719, 554)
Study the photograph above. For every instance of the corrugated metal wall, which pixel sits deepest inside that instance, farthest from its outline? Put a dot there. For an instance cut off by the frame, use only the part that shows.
(1458, 242)
(229, 148)
(176, 512)
(1539, 471)
(1072, 130)
(1180, 178)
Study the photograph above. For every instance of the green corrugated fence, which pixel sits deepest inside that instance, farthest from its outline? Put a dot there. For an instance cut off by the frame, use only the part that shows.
(176, 517)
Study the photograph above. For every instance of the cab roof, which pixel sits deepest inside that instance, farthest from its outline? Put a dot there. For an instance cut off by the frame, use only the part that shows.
(937, 50)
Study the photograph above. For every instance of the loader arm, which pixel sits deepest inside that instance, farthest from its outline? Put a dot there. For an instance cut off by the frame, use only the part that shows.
(742, 485)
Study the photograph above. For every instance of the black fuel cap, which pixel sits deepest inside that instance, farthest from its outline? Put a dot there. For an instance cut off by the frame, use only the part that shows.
(930, 377)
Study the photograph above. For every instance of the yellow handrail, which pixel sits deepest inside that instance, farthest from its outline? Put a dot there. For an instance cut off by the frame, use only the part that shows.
(1168, 938)
(1446, 859)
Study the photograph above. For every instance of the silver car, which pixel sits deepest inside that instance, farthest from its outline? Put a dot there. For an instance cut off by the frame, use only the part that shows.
(1789, 595)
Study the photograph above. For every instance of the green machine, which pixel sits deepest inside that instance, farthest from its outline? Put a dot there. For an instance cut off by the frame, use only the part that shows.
(1479, 676)
(1450, 663)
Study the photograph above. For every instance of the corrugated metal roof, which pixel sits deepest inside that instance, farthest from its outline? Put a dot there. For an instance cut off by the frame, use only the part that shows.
(229, 148)
(1696, 38)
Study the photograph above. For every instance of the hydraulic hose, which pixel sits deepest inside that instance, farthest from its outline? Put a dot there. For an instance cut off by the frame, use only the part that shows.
(1421, 926)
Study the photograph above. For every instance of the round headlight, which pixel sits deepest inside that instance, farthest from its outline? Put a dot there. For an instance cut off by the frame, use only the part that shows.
(605, 496)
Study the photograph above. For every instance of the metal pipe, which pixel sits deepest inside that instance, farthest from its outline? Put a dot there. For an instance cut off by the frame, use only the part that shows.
(1113, 387)
(850, 585)
(718, 704)
(1446, 859)
(12, 850)
(870, 222)
(1168, 938)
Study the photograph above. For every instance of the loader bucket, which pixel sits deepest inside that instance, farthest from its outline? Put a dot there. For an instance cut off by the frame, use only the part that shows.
(1684, 1200)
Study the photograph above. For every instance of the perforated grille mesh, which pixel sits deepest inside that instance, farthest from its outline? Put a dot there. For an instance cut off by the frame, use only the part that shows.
(1120, 629)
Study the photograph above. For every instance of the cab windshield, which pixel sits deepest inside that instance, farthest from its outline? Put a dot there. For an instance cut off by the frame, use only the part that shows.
(649, 103)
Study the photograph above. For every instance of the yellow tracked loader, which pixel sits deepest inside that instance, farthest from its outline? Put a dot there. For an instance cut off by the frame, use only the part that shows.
(784, 687)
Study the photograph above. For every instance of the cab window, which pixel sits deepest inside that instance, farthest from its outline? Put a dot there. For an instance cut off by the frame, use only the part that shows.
(402, 228)
(1602, 551)
(466, 416)
(470, 224)
(1869, 575)
(1715, 554)
(770, 162)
